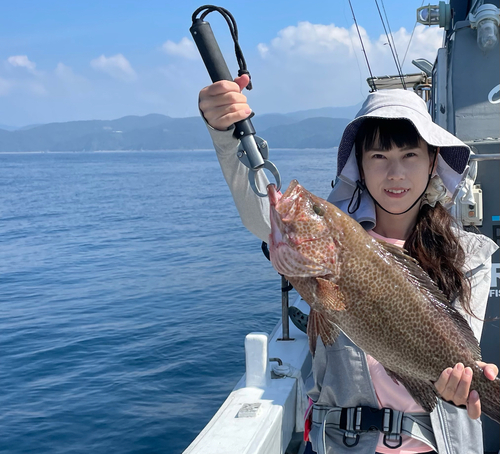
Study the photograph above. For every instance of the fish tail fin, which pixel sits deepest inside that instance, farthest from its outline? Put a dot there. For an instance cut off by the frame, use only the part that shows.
(490, 401)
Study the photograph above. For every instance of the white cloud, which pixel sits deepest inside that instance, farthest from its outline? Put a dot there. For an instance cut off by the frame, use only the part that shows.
(314, 65)
(5, 87)
(72, 83)
(37, 88)
(66, 74)
(308, 40)
(263, 50)
(424, 44)
(22, 61)
(304, 66)
(18, 86)
(185, 48)
(327, 43)
(116, 66)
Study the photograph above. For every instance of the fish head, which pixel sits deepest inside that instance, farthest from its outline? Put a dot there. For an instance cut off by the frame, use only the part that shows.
(304, 241)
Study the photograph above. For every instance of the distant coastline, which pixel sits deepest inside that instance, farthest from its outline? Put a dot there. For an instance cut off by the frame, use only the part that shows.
(201, 150)
(318, 128)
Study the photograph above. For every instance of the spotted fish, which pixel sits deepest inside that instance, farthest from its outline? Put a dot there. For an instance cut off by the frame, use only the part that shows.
(373, 292)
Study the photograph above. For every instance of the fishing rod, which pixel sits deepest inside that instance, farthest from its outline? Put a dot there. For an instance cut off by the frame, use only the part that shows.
(252, 151)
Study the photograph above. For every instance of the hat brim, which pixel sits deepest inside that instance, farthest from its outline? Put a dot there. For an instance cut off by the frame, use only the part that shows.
(453, 158)
(454, 152)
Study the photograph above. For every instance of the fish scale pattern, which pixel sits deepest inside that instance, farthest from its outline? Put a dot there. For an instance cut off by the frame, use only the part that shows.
(375, 293)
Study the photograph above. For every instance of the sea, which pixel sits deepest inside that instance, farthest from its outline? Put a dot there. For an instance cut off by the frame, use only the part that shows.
(127, 286)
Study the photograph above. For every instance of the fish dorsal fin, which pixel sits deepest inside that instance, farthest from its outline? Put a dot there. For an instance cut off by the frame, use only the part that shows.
(319, 325)
(428, 287)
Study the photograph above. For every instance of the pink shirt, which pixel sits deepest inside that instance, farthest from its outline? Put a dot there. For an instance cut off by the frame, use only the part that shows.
(391, 394)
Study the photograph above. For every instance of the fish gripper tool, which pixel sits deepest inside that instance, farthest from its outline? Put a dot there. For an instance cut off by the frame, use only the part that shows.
(252, 151)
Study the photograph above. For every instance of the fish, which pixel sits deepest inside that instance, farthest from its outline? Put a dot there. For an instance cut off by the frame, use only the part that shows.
(374, 293)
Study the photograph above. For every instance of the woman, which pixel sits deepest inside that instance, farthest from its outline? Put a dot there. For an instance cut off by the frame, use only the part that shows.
(396, 169)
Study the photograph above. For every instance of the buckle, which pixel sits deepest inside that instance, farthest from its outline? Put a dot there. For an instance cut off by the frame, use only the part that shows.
(354, 443)
(396, 446)
(367, 419)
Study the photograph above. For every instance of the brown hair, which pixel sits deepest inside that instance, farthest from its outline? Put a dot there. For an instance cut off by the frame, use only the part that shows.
(433, 241)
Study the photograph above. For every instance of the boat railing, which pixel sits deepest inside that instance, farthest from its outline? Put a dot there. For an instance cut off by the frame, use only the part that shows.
(285, 320)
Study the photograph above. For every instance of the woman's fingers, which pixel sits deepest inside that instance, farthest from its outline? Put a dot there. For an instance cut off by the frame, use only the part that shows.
(242, 81)
(490, 370)
(462, 390)
(223, 104)
(474, 405)
(449, 381)
(221, 117)
(454, 385)
(221, 87)
(441, 382)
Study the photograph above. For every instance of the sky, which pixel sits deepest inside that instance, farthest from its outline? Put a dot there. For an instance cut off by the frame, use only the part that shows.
(83, 60)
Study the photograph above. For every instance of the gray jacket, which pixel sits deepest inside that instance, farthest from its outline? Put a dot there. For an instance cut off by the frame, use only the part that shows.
(340, 372)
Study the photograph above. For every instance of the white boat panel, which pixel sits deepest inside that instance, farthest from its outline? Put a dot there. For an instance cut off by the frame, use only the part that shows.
(270, 431)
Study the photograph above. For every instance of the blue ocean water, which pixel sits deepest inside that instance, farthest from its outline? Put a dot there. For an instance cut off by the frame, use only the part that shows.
(127, 286)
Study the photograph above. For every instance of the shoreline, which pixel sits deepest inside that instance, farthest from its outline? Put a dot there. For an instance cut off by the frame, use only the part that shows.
(149, 151)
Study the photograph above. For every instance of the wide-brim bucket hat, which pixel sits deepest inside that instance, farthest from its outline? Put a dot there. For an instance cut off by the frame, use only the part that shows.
(453, 158)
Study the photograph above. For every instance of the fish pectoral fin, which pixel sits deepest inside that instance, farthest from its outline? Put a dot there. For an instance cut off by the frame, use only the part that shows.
(319, 325)
(328, 293)
(423, 392)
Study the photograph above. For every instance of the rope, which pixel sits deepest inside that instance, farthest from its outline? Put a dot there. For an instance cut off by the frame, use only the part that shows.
(391, 35)
(411, 37)
(233, 28)
(396, 61)
(362, 45)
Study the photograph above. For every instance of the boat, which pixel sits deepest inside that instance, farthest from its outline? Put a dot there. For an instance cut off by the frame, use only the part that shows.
(461, 87)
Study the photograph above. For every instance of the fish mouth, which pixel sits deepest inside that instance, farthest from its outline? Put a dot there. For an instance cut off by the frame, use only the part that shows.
(275, 238)
(275, 196)
(293, 184)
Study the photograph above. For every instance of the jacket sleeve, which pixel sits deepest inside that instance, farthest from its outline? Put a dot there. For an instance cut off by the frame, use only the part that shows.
(478, 250)
(253, 210)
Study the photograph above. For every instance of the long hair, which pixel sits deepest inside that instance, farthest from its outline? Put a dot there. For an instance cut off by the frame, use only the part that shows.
(433, 242)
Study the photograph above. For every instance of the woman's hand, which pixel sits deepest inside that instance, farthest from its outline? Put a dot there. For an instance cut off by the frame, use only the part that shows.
(223, 104)
(454, 385)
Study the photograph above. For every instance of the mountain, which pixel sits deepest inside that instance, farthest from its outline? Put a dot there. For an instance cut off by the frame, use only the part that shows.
(332, 112)
(319, 132)
(304, 129)
(153, 132)
(8, 127)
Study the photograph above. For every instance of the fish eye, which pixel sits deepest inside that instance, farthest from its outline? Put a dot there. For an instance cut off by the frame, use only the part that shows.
(318, 210)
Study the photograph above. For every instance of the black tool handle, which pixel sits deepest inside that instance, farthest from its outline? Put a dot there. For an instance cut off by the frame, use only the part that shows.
(217, 68)
(209, 50)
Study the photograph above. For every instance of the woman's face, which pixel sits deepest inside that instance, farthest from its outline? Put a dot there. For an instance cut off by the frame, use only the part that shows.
(398, 176)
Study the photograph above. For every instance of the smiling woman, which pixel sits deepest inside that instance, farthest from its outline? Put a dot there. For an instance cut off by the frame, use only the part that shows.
(396, 164)
(398, 149)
